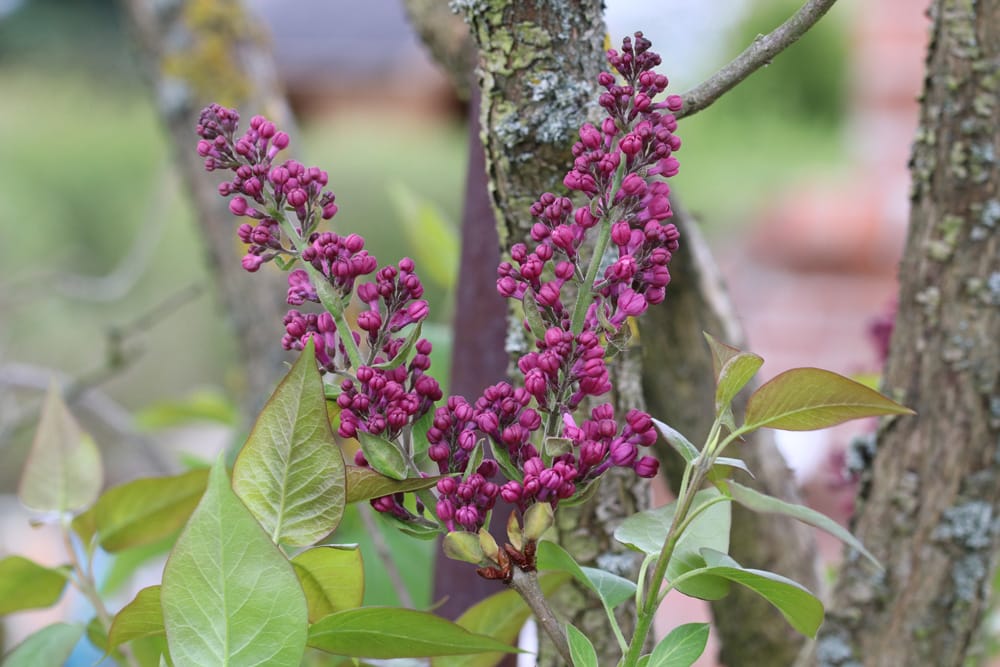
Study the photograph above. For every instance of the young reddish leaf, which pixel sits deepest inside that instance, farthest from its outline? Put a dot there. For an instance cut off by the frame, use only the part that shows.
(24, 584)
(721, 353)
(383, 455)
(803, 399)
(229, 596)
(365, 484)
(290, 472)
(142, 617)
(500, 616)
(760, 502)
(51, 645)
(386, 632)
(332, 577)
(63, 470)
(146, 510)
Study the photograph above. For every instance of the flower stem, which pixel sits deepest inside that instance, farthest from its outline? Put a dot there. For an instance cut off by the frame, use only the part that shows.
(586, 294)
(526, 584)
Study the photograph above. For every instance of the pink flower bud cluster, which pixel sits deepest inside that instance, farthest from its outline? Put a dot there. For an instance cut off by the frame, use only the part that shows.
(384, 401)
(467, 502)
(330, 353)
(259, 190)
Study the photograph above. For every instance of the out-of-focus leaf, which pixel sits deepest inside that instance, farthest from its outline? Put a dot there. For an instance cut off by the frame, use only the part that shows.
(142, 617)
(433, 239)
(203, 405)
(63, 471)
(333, 578)
(24, 584)
(51, 645)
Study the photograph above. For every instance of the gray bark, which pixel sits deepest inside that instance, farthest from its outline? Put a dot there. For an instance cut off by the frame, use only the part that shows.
(930, 501)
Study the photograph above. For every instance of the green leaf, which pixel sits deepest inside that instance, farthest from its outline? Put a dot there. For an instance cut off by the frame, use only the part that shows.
(85, 525)
(142, 617)
(229, 597)
(765, 504)
(735, 375)
(533, 316)
(404, 351)
(383, 455)
(721, 353)
(803, 399)
(202, 405)
(611, 589)
(799, 607)
(290, 472)
(500, 616)
(420, 528)
(333, 578)
(388, 632)
(51, 645)
(365, 484)
(63, 470)
(432, 237)
(647, 531)
(147, 510)
(24, 584)
(418, 436)
(681, 647)
(463, 546)
(580, 648)
(676, 440)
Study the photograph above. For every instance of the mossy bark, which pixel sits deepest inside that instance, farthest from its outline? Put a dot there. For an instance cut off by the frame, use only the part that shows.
(930, 501)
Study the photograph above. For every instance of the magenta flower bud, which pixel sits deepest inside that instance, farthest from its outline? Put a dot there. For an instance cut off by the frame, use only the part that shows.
(278, 176)
(511, 492)
(584, 217)
(487, 422)
(646, 467)
(445, 510)
(360, 460)
(590, 137)
(447, 486)
(329, 211)
(530, 419)
(548, 295)
(536, 384)
(438, 453)
(642, 102)
(298, 197)
(238, 206)
(592, 452)
(467, 517)
(252, 262)
(623, 454)
(674, 102)
(418, 310)
(533, 466)
(280, 141)
(630, 144)
(634, 185)
(487, 469)
(550, 479)
(605, 79)
(631, 303)
(370, 321)
(609, 128)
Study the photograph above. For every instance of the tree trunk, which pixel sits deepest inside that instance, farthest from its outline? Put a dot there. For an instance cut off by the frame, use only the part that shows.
(931, 498)
(197, 52)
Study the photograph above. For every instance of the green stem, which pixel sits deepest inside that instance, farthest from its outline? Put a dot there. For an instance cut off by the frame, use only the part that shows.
(84, 581)
(586, 293)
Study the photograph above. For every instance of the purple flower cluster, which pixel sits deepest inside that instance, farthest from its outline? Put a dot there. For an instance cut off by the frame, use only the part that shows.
(582, 298)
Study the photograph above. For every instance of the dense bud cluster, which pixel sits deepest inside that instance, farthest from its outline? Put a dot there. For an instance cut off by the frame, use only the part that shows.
(578, 300)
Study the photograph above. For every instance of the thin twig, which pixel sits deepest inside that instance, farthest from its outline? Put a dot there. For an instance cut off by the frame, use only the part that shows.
(385, 555)
(526, 584)
(763, 49)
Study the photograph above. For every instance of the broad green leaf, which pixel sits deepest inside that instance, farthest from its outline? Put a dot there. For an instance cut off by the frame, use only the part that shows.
(51, 645)
(290, 472)
(85, 525)
(803, 399)
(388, 632)
(63, 471)
(24, 584)
(681, 647)
(147, 510)
(676, 440)
(610, 588)
(760, 502)
(142, 617)
(365, 484)
(799, 607)
(500, 616)
(580, 648)
(647, 531)
(332, 577)
(735, 375)
(229, 596)
(432, 237)
(383, 455)
(463, 546)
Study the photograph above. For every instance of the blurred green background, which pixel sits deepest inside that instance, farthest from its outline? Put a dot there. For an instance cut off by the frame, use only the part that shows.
(96, 230)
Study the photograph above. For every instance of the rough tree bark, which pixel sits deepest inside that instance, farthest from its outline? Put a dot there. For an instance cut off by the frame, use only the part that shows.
(197, 52)
(930, 502)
